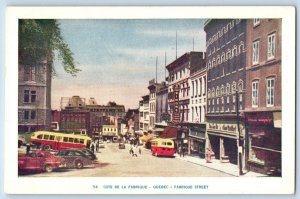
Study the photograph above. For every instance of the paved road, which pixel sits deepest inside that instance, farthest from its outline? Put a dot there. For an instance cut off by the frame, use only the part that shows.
(115, 162)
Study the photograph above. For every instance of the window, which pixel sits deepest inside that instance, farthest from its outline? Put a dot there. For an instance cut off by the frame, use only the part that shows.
(255, 52)
(52, 137)
(81, 141)
(33, 114)
(30, 73)
(255, 94)
(65, 139)
(33, 96)
(46, 137)
(26, 96)
(270, 91)
(271, 46)
(256, 22)
(26, 115)
(71, 140)
(40, 136)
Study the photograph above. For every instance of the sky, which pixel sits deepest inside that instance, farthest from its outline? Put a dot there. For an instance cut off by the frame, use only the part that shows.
(117, 58)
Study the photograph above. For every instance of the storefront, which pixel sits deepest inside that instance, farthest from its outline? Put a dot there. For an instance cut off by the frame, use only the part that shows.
(264, 143)
(197, 140)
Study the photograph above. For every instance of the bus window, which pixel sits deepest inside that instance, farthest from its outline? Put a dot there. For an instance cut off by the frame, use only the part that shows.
(76, 140)
(163, 143)
(169, 143)
(52, 137)
(40, 136)
(71, 140)
(65, 139)
(46, 137)
(81, 141)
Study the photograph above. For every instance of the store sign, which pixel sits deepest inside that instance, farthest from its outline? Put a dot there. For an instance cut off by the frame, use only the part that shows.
(260, 118)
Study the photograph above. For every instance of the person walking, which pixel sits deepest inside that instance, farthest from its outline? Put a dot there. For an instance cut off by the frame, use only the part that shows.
(93, 148)
(131, 150)
(97, 146)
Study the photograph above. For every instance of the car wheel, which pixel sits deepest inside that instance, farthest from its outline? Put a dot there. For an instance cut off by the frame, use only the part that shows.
(47, 147)
(48, 168)
(78, 164)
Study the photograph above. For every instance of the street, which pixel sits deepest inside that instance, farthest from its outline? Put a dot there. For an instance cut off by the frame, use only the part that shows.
(115, 162)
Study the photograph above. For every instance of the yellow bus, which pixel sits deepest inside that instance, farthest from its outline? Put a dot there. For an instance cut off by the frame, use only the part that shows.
(53, 140)
(162, 147)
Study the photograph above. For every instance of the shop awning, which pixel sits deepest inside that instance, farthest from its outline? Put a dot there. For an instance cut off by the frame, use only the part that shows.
(169, 132)
(146, 138)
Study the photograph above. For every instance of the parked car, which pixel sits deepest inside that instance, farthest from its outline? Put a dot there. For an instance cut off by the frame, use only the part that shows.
(121, 145)
(88, 152)
(101, 144)
(40, 160)
(75, 158)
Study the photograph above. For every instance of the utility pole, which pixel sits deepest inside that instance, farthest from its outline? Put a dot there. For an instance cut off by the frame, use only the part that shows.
(176, 44)
(156, 70)
(165, 65)
(240, 140)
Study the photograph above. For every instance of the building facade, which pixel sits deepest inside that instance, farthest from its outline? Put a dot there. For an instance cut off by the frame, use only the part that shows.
(34, 97)
(263, 96)
(198, 82)
(145, 114)
(226, 62)
(178, 86)
(162, 103)
(152, 103)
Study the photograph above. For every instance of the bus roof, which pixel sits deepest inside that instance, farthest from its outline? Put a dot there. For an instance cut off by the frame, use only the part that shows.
(64, 134)
(161, 139)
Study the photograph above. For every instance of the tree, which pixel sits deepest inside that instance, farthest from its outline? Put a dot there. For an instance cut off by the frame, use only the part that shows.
(38, 41)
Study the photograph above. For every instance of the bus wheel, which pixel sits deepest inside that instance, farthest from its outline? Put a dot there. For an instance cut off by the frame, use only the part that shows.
(47, 147)
(48, 168)
(78, 164)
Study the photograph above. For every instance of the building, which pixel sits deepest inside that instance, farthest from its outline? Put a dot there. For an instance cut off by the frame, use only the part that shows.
(226, 62)
(152, 103)
(75, 118)
(178, 86)
(34, 97)
(162, 103)
(263, 96)
(198, 82)
(141, 119)
(110, 132)
(145, 114)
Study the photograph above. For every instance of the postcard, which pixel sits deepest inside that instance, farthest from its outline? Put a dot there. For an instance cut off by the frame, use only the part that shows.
(150, 100)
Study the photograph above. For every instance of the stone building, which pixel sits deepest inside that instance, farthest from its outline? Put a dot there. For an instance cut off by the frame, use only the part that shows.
(152, 103)
(162, 103)
(263, 96)
(226, 62)
(34, 97)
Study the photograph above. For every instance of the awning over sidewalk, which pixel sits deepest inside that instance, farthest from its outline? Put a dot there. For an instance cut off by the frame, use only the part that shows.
(169, 132)
(146, 138)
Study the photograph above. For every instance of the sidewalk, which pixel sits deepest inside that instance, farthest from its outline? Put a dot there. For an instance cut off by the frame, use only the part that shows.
(228, 168)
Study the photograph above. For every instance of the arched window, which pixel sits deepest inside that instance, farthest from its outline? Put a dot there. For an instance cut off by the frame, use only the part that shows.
(234, 51)
(222, 90)
(233, 87)
(213, 92)
(241, 47)
(217, 91)
(228, 54)
(240, 85)
(228, 89)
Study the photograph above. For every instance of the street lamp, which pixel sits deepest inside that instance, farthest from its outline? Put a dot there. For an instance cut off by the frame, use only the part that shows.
(240, 140)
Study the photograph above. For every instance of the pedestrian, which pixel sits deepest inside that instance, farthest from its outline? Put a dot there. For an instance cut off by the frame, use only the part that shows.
(183, 151)
(180, 151)
(27, 148)
(92, 148)
(140, 150)
(97, 147)
(135, 151)
(131, 150)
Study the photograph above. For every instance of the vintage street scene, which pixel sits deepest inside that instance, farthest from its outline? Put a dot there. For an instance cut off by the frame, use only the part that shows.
(149, 98)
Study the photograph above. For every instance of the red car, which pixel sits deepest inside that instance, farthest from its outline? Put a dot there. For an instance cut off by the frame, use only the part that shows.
(40, 160)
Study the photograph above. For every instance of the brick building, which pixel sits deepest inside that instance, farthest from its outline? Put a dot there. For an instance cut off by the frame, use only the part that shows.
(226, 62)
(263, 96)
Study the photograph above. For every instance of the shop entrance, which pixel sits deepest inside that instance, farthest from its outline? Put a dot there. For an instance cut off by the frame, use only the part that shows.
(214, 142)
(231, 150)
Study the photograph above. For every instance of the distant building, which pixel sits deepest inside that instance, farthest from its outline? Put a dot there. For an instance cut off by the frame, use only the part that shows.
(144, 112)
(263, 96)
(34, 97)
(152, 103)
(162, 103)
(109, 132)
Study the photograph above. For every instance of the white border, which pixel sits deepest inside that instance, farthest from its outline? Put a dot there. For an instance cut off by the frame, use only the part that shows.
(83, 185)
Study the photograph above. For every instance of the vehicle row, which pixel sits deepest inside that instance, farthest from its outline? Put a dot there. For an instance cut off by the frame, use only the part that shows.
(47, 161)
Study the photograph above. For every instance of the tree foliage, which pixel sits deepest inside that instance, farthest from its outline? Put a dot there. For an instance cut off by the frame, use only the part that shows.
(38, 40)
